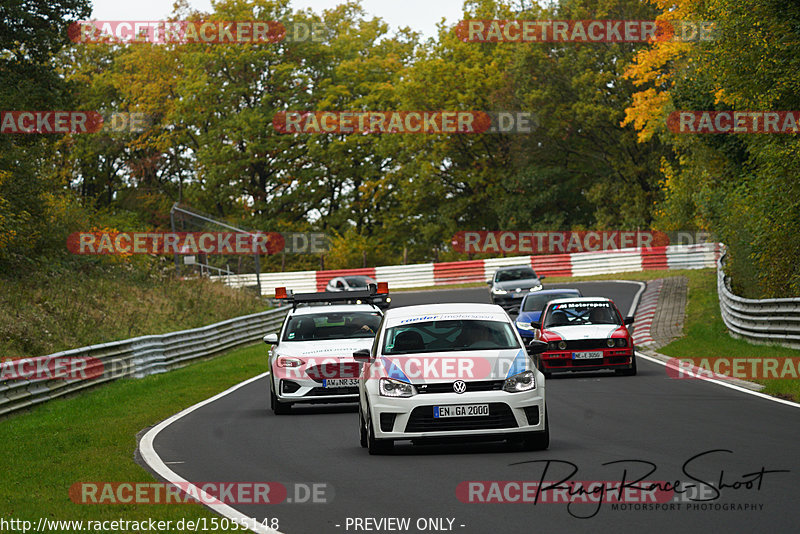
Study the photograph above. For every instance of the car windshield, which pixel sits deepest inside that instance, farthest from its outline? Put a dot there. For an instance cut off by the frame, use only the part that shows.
(448, 336)
(359, 281)
(537, 301)
(581, 313)
(509, 275)
(332, 326)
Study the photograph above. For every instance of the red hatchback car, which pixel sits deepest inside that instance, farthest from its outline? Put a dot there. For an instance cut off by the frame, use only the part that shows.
(585, 334)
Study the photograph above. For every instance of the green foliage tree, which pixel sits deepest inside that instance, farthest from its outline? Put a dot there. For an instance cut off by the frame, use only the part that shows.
(742, 187)
(31, 198)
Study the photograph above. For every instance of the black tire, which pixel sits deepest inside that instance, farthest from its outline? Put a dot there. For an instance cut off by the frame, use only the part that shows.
(362, 428)
(538, 441)
(628, 372)
(376, 446)
(278, 407)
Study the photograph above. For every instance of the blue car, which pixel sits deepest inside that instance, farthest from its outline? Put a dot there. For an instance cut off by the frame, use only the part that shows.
(534, 303)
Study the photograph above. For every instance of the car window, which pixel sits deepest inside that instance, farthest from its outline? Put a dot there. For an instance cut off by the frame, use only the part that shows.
(537, 301)
(508, 275)
(448, 336)
(359, 282)
(332, 326)
(583, 313)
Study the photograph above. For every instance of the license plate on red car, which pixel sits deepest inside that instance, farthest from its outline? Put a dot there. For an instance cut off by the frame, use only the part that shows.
(589, 355)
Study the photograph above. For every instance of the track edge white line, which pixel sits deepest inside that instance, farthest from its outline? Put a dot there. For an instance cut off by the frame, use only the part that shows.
(154, 461)
(726, 384)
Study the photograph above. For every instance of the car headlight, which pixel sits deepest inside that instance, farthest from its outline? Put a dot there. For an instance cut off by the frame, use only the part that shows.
(610, 342)
(524, 381)
(389, 387)
(523, 326)
(498, 291)
(557, 345)
(622, 342)
(286, 361)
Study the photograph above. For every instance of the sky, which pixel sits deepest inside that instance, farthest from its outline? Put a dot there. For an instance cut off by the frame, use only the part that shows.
(420, 15)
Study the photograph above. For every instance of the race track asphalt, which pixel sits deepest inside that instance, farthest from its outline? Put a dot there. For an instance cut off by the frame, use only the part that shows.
(648, 421)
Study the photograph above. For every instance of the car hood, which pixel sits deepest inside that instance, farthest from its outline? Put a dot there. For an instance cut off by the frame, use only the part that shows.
(329, 348)
(512, 285)
(473, 365)
(598, 331)
(529, 316)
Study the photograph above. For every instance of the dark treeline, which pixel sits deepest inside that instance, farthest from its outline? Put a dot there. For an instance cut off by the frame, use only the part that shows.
(600, 158)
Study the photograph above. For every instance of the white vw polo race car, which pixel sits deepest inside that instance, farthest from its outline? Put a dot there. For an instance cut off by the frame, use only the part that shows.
(450, 371)
(311, 358)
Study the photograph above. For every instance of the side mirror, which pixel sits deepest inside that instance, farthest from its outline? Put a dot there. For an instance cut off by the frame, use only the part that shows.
(362, 355)
(542, 276)
(536, 325)
(271, 339)
(536, 347)
(629, 320)
(488, 282)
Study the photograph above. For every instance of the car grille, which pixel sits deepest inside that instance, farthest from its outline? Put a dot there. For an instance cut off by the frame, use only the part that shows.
(333, 370)
(322, 392)
(422, 420)
(447, 387)
(580, 344)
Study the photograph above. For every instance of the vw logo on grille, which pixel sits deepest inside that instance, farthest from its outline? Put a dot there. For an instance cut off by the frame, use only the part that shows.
(459, 386)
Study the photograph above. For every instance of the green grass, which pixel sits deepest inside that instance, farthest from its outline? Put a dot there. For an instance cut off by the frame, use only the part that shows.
(92, 437)
(42, 312)
(707, 337)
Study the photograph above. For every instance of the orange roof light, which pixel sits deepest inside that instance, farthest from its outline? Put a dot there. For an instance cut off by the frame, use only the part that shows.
(383, 288)
(280, 293)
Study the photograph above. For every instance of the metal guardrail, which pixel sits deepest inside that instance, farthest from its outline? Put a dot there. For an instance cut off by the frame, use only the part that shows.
(140, 357)
(764, 321)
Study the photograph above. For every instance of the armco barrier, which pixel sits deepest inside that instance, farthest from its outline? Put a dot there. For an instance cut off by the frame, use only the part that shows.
(459, 272)
(759, 320)
(142, 356)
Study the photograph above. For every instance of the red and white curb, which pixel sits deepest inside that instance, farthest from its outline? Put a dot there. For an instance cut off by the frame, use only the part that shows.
(645, 313)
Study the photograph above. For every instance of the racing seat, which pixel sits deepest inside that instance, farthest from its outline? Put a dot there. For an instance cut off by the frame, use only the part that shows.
(558, 318)
(408, 341)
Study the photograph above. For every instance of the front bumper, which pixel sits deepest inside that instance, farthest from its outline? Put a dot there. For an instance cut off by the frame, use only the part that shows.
(563, 361)
(311, 392)
(412, 417)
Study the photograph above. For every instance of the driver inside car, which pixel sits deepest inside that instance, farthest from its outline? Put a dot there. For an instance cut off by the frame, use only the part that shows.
(369, 325)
